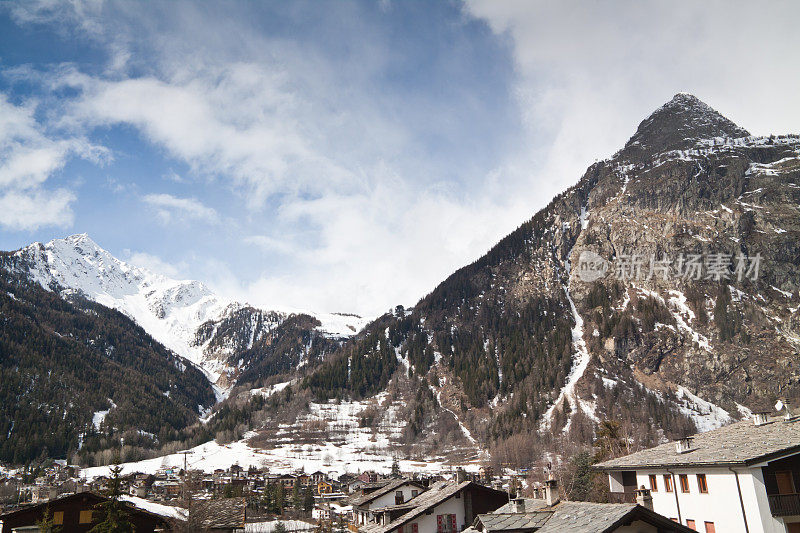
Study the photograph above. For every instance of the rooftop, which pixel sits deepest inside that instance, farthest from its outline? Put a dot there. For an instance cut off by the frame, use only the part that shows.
(576, 517)
(385, 489)
(741, 443)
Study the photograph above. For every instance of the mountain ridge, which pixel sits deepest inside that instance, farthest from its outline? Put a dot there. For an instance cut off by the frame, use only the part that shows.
(173, 311)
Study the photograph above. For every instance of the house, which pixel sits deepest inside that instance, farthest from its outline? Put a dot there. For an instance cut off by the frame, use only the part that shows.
(323, 487)
(318, 477)
(287, 480)
(77, 513)
(395, 492)
(446, 507)
(744, 477)
(368, 477)
(547, 514)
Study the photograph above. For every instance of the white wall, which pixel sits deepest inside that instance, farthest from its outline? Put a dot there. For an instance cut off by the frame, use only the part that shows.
(428, 524)
(388, 499)
(720, 505)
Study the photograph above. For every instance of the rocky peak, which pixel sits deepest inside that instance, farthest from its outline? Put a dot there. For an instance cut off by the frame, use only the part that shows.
(678, 124)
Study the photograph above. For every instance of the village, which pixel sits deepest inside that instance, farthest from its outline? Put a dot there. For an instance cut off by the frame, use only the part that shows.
(743, 477)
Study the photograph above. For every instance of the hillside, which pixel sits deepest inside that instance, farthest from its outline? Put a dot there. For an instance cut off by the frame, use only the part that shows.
(659, 292)
(79, 376)
(216, 334)
(521, 342)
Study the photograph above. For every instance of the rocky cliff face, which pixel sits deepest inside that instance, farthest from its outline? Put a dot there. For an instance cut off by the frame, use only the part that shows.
(661, 290)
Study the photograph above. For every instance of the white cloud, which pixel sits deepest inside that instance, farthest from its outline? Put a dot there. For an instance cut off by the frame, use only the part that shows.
(28, 158)
(171, 209)
(32, 209)
(588, 74)
(155, 264)
(350, 205)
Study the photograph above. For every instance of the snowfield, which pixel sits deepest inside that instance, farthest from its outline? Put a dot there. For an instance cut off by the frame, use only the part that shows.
(328, 458)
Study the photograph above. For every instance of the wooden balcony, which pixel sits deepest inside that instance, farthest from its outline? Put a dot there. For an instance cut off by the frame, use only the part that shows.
(784, 504)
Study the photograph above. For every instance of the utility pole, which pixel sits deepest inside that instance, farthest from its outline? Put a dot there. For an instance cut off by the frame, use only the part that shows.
(183, 483)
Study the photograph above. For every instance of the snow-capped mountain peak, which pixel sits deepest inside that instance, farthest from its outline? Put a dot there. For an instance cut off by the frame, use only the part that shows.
(170, 310)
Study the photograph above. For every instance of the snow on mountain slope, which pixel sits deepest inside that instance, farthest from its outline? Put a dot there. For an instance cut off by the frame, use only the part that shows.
(170, 310)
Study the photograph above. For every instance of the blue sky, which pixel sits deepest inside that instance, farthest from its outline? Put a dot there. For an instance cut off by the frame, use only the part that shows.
(345, 156)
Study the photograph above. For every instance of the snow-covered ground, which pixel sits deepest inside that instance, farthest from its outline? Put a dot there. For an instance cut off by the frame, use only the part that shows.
(705, 415)
(283, 459)
(156, 508)
(329, 438)
(581, 360)
(269, 527)
(99, 416)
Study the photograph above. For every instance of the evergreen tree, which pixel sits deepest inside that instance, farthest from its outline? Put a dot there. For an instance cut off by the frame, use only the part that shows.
(47, 523)
(308, 500)
(280, 498)
(297, 497)
(114, 516)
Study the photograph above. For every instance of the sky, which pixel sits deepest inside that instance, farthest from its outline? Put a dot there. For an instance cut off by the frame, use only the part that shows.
(347, 155)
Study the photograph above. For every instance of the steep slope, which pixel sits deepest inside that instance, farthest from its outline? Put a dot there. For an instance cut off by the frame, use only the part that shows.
(78, 375)
(522, 342)
(217, 335)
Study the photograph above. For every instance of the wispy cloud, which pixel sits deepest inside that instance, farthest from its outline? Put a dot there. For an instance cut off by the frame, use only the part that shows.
(28, 158)
(368, 151)
(170, 209)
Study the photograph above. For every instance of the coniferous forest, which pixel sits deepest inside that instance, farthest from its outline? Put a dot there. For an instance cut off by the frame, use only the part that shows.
(63, 360)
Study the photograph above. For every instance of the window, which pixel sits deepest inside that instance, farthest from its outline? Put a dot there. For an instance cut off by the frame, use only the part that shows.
(85, 517)
(446, 523)
(414, 493)
(414, 528)
(710, 527)
(398, 497)
(684, 480)
(58, 518)
(690, 524)
(702, 486)
(653, 483)
(667, 483)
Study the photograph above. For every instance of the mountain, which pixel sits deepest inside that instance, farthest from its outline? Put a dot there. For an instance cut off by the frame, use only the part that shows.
(77, 376)
(659, 293)
(219, 336)
(560, 325)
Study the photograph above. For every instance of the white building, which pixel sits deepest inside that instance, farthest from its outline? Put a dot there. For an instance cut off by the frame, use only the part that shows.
(396, 492)
(742, 478)
(446, 507)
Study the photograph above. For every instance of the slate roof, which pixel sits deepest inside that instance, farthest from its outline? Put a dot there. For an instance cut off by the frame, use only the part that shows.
(226, 513)
(436, 494)
(531, 504)
(742, 443)
(386, 489)
(514, 521)
(577, 517)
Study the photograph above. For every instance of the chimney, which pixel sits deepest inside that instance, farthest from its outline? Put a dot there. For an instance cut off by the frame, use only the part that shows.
(551, 492)
(518, 505)
(644, 498)
(761, 418)
(684, 445)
